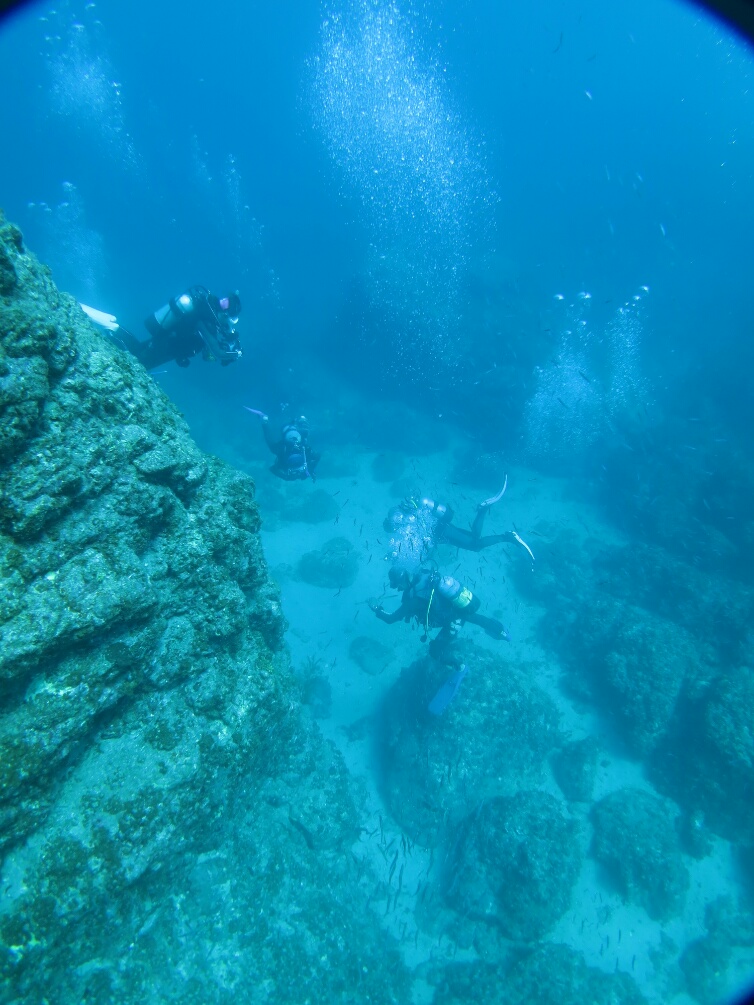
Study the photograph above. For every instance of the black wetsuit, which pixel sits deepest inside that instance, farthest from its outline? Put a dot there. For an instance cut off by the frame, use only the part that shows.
(177, 335)
(293, 461)
(422, 600)
(470, 540)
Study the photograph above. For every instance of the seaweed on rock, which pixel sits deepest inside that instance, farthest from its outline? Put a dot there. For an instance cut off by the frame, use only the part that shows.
(494, 738)
(514, 865)
(553, 974)
(152, 747)
(636, 841)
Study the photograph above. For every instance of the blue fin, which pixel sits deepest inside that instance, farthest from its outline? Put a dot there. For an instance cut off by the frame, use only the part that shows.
(447, 692)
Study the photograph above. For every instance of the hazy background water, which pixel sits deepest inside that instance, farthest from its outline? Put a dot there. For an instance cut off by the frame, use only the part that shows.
(294, 150)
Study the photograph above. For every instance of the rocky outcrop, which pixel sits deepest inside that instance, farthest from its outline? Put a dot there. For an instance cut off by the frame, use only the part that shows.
(552, 974)
(494, 739)
(158, 840)
(515, 864)
(636, 841)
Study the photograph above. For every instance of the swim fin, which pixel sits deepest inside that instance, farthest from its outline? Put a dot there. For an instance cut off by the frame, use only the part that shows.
(447, 692)
(108, 321)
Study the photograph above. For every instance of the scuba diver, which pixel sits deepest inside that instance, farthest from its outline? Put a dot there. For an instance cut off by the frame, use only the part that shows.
(419, 525)
(195, 322)
(294, 458)
(436, 601)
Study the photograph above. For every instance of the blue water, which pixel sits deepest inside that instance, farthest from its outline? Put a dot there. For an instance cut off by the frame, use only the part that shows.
(529, 224)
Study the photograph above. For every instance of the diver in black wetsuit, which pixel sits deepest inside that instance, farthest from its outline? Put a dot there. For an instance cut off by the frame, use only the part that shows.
(436, 601)
(419, 525)
(195, 322)
(400, 517)
(294, 458)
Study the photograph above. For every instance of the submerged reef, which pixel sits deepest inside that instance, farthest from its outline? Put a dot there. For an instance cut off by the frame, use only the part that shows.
(515, 865)
(492, 740)
(553, 974)
(662, 650)
(171, 826)
(636, 841)
(332, 566)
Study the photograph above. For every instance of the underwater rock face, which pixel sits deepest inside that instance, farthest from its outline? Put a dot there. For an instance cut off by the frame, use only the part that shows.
(515, 865)
(494, 738)
(637, 842)
(553, 974)
(332, 566)
(651, 661)
(151, 742)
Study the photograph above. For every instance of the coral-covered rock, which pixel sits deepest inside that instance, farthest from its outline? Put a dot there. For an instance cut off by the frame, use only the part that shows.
(515, 865)
(332, 566)
(636, 841)
(553, 974)
(494, 738)
(649, 663)
(162, 797)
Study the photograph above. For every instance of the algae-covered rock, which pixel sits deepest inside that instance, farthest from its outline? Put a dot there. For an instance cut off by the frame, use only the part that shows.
(575, 768)
(149, 722)
(713, 776)
(636, 841)
(515, 865)
(726, 751)
(333, 566)
(650, 661)
(553, 974)
(494, 738)
(705, 963)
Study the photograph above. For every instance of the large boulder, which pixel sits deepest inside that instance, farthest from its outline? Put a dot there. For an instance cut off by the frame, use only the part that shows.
(515, 865)
(553, 974)
(493, 739)
(171, 826)
(636, 841)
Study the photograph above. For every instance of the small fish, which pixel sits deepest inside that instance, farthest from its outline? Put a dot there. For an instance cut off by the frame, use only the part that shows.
(392, 868)
(588, 94)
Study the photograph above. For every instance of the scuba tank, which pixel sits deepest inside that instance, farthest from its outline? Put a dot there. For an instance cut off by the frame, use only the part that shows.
(169, 317)
(456, 594)
(458, 600)
(443, 513)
